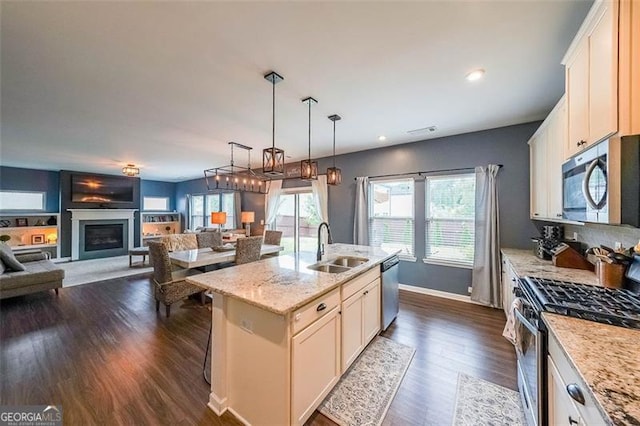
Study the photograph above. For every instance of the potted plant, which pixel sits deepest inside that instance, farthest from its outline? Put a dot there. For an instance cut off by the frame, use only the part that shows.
(4, 238)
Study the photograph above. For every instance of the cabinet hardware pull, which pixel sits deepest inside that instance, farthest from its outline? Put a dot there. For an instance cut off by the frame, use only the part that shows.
(578, 143)
(558, 214)
(321, 307)
(572, 422)
(574, 392)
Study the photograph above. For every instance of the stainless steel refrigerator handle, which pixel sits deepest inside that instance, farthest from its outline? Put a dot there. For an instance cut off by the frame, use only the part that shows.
(585, 186)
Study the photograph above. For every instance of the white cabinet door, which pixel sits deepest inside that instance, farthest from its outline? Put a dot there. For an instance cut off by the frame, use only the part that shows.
(371, 311)
(578, 98)
(562, 410)
(315, 367)
(538, 175)
(352, 329)
(603, 74)
(556, 143)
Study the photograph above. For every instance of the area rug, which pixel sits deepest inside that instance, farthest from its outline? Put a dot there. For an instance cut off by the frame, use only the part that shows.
(89, 271)
(481, 403)
(365, 391)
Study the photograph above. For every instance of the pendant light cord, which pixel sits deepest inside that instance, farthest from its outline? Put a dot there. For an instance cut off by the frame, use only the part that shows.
(309, 133)
(273, 115)
(334, 144)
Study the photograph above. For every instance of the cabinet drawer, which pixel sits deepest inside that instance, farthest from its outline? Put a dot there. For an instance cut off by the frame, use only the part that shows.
(359, 283)
(315, 310)
(589, 412)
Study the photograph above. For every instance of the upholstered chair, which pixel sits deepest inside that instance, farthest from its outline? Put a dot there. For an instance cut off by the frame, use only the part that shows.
(178, 242)
(248, 249)
(209, 239)
(272, 237)
(170, 286)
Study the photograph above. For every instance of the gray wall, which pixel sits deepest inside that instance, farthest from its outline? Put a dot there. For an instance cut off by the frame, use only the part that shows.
(507, 146)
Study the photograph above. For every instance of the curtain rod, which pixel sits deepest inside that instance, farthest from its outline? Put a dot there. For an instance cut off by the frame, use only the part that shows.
(425, 172)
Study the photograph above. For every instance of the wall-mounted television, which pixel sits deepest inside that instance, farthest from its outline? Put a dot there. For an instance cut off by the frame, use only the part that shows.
(101, 189)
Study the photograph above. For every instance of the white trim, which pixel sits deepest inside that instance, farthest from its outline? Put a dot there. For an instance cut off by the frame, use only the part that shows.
(407, 258)
(587, 26)
(439, 262)
(98, 214)
(217, 405)
(438, 293)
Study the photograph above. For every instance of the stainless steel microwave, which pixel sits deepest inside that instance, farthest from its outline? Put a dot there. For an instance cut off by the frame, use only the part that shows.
(602, 184)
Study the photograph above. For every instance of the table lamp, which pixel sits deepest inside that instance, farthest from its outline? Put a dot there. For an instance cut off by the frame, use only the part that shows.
(248, 218)
(219, 218)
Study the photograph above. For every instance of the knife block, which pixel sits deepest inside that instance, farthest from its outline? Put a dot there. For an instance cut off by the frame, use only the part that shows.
(569, 258)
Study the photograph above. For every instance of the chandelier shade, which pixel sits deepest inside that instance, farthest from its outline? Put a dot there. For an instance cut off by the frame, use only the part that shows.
(131, 170)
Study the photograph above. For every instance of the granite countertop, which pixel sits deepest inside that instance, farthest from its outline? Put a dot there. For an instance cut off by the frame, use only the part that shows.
(526, 264)
(282, 284)
(606, 358)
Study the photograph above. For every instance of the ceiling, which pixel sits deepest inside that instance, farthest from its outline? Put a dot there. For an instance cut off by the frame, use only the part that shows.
(94, 85)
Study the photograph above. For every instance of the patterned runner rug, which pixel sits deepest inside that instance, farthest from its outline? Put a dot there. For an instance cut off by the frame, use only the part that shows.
(363, 395)
(481, 403)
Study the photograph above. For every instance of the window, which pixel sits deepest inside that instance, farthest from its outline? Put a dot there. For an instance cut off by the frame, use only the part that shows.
(158, 204)
(21, 200)
(450, 216)
(298, 220)
(391, 220)
(203, 205)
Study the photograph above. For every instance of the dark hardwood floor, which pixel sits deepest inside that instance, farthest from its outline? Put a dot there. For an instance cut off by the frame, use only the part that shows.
(101, 351)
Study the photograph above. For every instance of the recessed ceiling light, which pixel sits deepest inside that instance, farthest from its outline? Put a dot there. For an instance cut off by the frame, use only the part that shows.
(382, 138)
(475, 75)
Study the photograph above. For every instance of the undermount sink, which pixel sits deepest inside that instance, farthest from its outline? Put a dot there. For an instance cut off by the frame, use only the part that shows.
(349, 261)
(328, 267)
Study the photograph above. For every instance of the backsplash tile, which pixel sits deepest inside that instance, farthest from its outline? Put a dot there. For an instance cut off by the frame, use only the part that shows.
(593, 234)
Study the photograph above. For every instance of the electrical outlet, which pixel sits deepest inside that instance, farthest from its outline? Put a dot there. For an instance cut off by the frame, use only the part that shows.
(618, 245)
(575, 236)
(469, 289)
(261, 221)
(246, 325)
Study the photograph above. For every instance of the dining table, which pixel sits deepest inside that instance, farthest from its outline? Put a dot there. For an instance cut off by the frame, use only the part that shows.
(197, 258)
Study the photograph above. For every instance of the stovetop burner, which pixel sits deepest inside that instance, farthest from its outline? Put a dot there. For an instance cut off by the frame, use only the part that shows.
(618, 307)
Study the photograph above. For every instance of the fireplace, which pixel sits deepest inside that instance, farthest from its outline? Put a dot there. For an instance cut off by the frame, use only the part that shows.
(101, 232)
(103, 237)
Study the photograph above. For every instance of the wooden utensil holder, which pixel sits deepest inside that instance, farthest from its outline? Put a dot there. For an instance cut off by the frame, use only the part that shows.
(610, 275)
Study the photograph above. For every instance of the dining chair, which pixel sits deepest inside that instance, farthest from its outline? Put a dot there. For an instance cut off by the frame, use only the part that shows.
(272, 237)
(209, 239)
(170, 286)
(248, 249)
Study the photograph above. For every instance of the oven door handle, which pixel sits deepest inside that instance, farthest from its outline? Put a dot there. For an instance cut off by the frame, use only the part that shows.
(526, 323)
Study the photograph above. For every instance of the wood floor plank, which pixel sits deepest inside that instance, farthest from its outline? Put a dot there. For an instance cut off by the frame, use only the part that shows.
(103, 353)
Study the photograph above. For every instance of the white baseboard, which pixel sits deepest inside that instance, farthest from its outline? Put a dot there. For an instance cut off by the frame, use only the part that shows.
(438, 293)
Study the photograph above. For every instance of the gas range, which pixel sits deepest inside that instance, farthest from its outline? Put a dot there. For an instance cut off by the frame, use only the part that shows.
(617, 307)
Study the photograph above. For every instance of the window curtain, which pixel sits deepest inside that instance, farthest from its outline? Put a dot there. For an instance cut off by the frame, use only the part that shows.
(485, 278)
(361, 216)
(321, 197)
(237, 210)
(273, 202)
(187, 212)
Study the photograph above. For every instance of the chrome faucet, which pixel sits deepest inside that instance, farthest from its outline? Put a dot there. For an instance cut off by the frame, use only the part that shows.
(320, 243)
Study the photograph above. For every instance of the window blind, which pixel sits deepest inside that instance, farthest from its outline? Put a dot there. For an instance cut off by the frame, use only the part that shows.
(391, 215)
(450, 217)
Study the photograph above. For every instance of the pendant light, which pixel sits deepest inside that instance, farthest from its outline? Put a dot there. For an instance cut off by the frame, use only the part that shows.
(308, 168)
(334, 174)
(273, 158)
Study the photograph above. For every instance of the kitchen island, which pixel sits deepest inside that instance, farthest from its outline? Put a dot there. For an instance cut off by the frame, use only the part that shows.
(283, 334)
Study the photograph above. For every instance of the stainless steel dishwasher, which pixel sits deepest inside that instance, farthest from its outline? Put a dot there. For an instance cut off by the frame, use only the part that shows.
(390, 303)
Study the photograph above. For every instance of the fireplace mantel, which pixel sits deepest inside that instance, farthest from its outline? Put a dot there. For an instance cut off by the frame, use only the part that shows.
(78, 215)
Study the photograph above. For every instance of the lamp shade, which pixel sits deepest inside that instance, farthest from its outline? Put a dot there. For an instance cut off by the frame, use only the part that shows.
(219, 218)
(247, 217)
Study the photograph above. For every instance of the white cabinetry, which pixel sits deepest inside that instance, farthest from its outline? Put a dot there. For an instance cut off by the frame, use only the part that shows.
(592, 78)
(547, 147)
(315, 364)
(360, 315)
(570, 402)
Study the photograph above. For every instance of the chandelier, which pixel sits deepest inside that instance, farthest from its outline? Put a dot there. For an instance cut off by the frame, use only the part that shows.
(130, 170)
(273, 158)
(308, 167)
(237, 178)
(334, 174)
